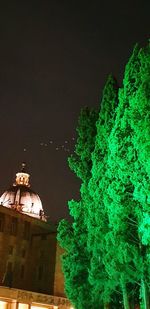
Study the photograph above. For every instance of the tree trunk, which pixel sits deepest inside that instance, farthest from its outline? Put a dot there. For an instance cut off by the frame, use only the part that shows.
(144, 294)
(125, 295)
(106, 306)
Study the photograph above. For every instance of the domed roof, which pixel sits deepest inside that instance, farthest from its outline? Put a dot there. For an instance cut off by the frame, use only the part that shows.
(22, 198)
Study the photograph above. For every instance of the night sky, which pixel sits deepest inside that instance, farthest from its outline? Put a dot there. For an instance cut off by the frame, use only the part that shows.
(54, 59)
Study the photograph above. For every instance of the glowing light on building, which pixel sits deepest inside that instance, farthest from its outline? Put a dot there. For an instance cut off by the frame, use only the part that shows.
(38, 307)
(3, 304)
(23, 306)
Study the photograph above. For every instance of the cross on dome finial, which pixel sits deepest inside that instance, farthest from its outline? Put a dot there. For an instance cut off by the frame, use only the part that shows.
(23, 166)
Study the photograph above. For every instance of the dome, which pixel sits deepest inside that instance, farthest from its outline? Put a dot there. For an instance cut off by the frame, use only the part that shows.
(22, 198)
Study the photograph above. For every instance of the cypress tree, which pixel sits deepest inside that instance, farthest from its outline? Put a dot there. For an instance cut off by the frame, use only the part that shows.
(140, 123)
(73, 236)
(129, 144)
(106, 246)
(122, 260)
(97, 220)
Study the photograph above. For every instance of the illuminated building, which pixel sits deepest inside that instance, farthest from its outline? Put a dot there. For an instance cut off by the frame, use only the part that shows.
(22, 198)
(30, 269)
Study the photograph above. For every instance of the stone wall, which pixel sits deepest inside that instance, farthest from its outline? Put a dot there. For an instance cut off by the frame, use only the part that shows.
(14, 297)
(27, 252)
(59, 277)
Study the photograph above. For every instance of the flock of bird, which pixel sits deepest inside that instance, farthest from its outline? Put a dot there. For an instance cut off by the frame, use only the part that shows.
(65, 146)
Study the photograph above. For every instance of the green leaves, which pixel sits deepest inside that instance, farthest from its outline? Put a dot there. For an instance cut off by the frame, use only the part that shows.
(73, 237)
(80, 162)
(106, 246)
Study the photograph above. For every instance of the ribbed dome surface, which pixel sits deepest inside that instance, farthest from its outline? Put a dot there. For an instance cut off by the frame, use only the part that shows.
(22, 198)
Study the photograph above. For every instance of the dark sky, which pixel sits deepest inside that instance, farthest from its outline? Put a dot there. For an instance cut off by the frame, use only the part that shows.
(55, 56)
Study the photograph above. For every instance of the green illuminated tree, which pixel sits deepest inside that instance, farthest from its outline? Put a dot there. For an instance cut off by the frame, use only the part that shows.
(73, 236)
(123, 261)
(107, 251)
(128, 202)
(75, 260)
(139, 104)
(80, 162)
(97, 220)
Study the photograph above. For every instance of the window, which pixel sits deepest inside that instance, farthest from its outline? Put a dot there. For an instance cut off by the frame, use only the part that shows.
(10, 250)
(9, 266)
(26, 231)
(13, 226)
(8, 276)
(22, 272)
(23, 253)
(2, 222)
(41, 254)
(43, 237)
(40, 272)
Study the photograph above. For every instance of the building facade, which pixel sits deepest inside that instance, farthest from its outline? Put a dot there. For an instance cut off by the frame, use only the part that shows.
(30, 268)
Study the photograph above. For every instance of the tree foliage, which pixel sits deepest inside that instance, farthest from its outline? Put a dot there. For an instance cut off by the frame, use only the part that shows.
(73, 236)
(107, 254)
(97, 218)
